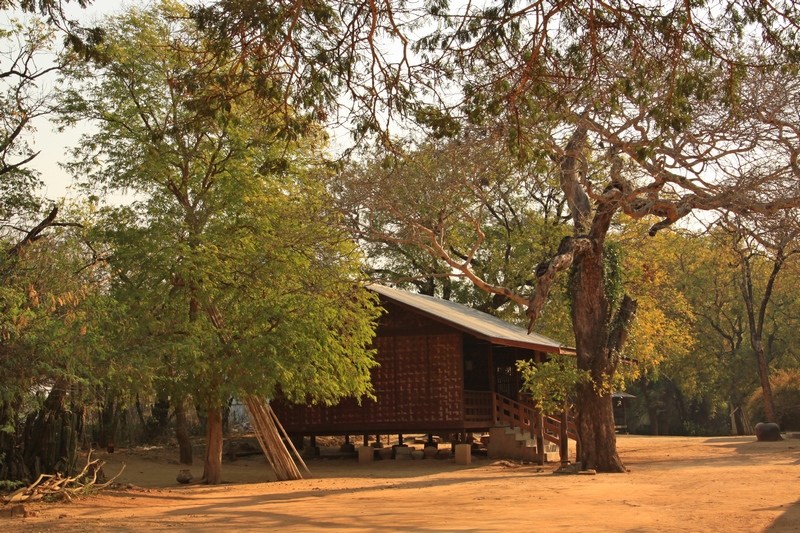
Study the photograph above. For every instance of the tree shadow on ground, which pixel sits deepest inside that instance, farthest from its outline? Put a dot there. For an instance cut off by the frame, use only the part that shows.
(789, 521)
(754, 447)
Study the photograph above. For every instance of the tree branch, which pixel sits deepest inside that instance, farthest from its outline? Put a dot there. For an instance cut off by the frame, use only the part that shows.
(568, 250)
(34, 233)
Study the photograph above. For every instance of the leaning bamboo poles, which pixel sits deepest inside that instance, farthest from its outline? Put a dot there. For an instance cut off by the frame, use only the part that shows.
(266, 425)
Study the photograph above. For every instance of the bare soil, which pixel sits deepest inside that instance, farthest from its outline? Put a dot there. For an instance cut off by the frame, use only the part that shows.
(675, 484)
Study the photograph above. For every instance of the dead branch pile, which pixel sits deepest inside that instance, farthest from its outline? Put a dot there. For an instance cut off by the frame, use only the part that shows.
(266, 425)
(57, 486)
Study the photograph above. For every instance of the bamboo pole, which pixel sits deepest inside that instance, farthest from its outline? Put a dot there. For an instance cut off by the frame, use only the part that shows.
(270, 440)
(286, 436)
(255, 417)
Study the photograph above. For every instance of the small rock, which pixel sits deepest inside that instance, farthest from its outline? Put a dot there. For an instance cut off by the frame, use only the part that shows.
(385, 453)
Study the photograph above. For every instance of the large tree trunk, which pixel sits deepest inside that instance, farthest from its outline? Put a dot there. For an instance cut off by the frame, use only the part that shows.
(594, 339)
(595, 421)
(212, 465)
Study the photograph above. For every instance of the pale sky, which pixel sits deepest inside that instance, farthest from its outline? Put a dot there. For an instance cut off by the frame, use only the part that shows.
(51, 144)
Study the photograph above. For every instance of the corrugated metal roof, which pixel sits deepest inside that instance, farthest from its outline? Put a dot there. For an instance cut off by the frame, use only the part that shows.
(478, 323)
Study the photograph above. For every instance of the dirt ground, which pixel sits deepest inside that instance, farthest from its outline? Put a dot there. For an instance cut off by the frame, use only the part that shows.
(674, 484)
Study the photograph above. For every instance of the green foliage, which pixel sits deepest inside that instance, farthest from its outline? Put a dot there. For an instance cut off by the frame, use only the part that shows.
(7, 486)
(228, 263)
(551, 384)
(786, 397)
(612, 273)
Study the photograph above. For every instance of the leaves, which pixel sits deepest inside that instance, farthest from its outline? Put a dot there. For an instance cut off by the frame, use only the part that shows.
(228, 263)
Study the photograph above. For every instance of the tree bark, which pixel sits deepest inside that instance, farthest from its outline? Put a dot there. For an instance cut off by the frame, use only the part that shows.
(212, 465)
(595, 421)
(763, 375)
(597, 343)
(182, 434)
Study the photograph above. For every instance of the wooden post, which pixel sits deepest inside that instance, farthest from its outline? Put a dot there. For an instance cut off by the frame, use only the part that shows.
(366, 440)
(564, 448)
(539, 420)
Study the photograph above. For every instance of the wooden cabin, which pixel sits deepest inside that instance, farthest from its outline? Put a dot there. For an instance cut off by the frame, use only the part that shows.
(444, 368)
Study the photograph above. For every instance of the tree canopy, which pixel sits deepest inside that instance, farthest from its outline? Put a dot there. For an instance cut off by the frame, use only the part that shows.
(236, 279)
(514, 152)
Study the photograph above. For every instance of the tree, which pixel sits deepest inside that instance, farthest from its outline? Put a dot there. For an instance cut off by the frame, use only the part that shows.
(519, 213)
(53, 350)
(773, 240)
(647, 110)
(239, 282)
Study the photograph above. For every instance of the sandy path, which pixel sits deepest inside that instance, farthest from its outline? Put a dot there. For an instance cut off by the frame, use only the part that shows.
(675, 484)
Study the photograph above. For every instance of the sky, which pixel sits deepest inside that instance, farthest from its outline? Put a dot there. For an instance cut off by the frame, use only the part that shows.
(51, 143)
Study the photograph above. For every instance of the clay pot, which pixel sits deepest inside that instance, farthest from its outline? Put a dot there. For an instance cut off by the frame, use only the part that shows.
(184, 476)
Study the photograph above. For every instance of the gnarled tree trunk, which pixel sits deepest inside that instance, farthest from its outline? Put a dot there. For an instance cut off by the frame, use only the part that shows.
(596, 346)
(600, 333)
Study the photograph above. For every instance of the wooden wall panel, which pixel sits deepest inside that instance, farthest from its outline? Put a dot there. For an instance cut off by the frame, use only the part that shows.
(447, 393)
(419, 383)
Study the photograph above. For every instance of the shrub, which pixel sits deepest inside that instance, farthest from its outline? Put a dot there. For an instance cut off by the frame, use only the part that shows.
(785, 396)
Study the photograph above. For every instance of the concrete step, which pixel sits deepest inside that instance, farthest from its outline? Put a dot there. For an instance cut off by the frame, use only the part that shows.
(513, 443)
(552, 457)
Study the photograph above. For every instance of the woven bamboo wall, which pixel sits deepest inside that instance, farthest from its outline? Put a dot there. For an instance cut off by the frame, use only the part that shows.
(419, 383)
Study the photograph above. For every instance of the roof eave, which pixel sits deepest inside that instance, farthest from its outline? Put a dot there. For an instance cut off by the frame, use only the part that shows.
(494, 340)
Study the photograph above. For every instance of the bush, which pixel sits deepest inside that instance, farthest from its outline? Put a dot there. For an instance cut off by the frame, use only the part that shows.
(785, 396)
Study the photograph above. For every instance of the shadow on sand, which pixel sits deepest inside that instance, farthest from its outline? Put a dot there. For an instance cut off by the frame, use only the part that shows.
(789, 521)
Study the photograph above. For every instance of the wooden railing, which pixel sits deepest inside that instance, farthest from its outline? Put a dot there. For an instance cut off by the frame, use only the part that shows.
(483, 407)
(524, 415)
(513, 413)
(478, 406)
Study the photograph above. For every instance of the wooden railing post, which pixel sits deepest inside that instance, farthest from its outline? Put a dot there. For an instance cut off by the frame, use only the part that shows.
(539, 433)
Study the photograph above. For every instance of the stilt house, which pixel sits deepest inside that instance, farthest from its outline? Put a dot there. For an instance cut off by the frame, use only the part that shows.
(444, 368)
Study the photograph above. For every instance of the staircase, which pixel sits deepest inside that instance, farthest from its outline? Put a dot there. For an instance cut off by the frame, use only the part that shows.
(520, 429)
(516, 443)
